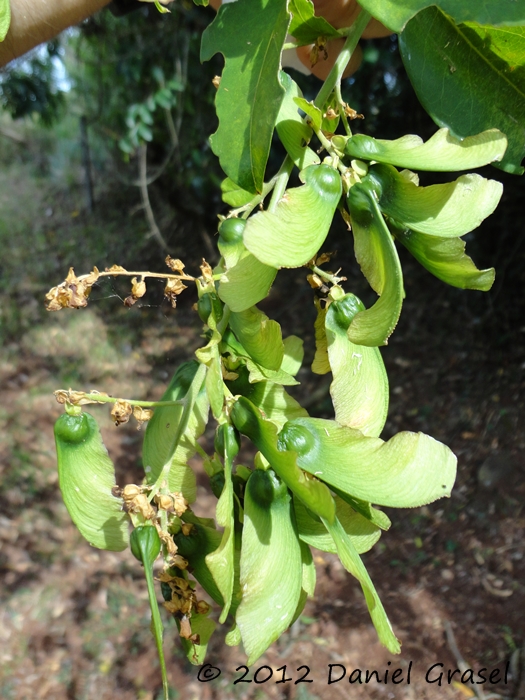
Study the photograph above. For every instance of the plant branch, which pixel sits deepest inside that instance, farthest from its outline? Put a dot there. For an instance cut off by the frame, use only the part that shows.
(281, 180)
(154, 231)
(335, 75)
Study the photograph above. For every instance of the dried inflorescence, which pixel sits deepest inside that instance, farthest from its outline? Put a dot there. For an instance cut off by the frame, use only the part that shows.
(74, 291)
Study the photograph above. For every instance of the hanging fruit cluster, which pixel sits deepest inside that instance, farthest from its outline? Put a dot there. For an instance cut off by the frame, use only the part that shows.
(311, 482)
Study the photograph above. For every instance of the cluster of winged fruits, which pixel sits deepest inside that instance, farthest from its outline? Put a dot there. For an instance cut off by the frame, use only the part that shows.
(312, 482)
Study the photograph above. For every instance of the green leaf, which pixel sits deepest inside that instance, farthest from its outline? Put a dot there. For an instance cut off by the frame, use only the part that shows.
(481, 77)
(260, 336)
(446, 259)
(305, 27)
(359, 388)
(246, 283)
(293, 132)
(377, 256)
(263, 433)
(394, 14)
(443, 152)
(234, 195)
(86, 476)
(351, 560)
(361, 531)
(271, 564)
(447, 210)
(5, 18)
(311, 111)
(292, 234)
(250, 35)
(293, 355)
(410, 470)
(159, 448)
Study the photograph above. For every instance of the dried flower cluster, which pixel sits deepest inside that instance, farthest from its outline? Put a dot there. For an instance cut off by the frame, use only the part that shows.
(74, 291)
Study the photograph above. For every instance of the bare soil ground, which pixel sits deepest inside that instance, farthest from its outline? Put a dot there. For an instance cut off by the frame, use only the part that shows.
(74, 622)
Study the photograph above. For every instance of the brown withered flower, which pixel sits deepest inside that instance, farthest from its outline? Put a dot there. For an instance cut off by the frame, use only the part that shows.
(121, 412)
(174, 264)
(173, 288)
(141, 415)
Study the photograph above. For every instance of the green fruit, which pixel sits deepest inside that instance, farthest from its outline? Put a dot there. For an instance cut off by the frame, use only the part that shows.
(145, 544)
(227, 441)
(204, 307)
(442, 152)
(72, 428)
(207, 304)
(379, 262)
(291, 235)
(263, 433)
(448, 210)
(87, 476)
(264, 487)
(231, 230)
(345, 309)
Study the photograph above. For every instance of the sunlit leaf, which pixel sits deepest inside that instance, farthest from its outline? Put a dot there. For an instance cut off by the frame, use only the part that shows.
(250, 35)
(293, 132)
(394, 14)
(5, 18)
(305, 27)
(234, 195)
(480, 71)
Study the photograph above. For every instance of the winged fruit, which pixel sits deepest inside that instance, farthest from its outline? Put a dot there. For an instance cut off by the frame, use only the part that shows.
(291, 235)
(87, 476)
